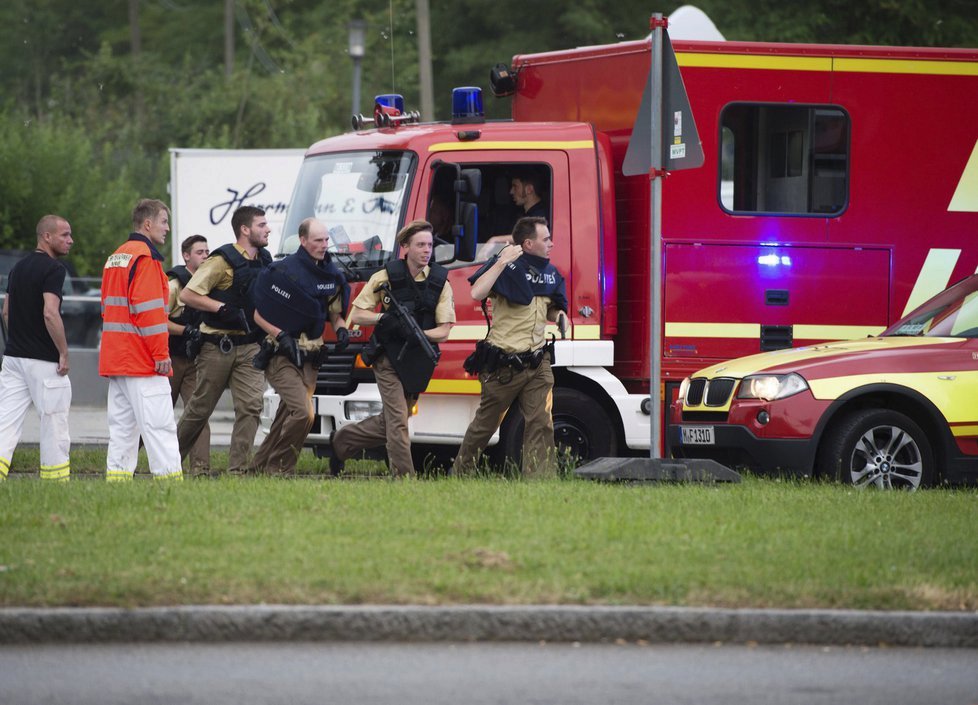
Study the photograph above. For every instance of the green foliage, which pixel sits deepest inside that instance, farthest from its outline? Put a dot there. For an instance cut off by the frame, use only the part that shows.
(58, 168)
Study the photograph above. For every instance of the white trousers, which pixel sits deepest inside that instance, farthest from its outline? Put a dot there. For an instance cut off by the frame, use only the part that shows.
(141, 406)
(25, 381)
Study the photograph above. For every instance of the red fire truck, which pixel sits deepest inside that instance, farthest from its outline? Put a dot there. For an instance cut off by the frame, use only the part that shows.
(839, 191)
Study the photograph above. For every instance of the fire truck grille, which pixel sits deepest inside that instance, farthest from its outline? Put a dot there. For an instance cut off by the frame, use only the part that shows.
(716, 391)
(337, 376)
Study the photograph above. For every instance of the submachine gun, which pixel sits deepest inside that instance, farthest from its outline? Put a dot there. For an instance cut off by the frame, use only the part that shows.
(396, 333)
(409, 328)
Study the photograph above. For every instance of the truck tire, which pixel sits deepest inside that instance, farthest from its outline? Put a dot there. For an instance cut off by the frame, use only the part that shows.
(582, 430)
(877, 448)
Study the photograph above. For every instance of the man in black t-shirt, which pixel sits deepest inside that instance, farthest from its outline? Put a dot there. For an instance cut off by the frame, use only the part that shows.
(35, 362)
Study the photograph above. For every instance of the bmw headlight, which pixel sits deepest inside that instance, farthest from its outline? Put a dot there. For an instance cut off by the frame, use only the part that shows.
(771, 387)
(683, 388)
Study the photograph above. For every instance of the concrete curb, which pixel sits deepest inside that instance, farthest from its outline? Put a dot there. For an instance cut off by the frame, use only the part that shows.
(487, 623)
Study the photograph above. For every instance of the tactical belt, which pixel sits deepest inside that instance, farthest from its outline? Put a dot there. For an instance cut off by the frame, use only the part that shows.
(225, 342)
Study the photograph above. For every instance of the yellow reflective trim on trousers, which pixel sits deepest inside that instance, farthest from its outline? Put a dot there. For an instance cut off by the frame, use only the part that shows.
(454, 386)
(117, 476)
(172, 477)
(4, 468)
(61, 473)
(509, 144)
(753, 330)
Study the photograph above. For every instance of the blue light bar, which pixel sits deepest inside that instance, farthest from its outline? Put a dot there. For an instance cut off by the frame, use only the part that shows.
(467, 103)
(391, 100)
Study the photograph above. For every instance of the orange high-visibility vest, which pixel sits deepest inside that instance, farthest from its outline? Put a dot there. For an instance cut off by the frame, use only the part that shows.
(134, 333)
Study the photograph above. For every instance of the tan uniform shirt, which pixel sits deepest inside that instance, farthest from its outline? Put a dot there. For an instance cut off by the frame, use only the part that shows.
(369, 297)
(516, 328)
(215, 273)
(175, 307)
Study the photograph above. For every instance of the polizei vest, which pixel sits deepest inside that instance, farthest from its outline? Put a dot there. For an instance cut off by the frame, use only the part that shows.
(294, 293)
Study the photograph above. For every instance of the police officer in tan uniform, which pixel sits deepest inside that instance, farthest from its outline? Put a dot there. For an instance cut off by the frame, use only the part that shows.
(526, 291)
(294, 298)
(221, 289)
(423, 288)
(184, 322)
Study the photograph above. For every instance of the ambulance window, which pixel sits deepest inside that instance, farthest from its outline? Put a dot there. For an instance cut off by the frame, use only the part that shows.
(791, 159)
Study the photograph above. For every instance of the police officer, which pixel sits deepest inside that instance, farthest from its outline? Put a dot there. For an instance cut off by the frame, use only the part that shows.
(184, 324)
(423, 289)
(221, 288)
(293, 299)
(526, 291)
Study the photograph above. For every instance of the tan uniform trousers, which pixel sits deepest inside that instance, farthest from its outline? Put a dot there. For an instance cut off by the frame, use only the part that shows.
(534, 390)
(182, 385)
(215, 373)
(390, 427)
(295, 386)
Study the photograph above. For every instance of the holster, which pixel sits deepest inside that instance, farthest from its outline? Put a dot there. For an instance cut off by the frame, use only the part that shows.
(371, 351)
(193, 342)
(264, 355)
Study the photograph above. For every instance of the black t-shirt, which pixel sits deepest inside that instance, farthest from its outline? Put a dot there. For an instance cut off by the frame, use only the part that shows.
(538, 210)
(31, 278)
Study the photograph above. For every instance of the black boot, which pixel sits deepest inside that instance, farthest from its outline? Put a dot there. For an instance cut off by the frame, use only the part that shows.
(335, 464)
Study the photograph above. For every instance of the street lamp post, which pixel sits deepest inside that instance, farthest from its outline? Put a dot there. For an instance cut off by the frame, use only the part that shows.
(358, 32)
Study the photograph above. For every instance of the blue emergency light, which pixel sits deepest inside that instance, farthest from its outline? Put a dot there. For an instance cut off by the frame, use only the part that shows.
(467, 104)
(391, 100)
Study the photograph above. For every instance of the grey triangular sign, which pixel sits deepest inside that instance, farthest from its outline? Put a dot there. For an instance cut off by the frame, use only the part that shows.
(681, 148)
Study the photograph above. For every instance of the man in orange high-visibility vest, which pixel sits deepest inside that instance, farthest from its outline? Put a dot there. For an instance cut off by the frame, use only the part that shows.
(135, 353)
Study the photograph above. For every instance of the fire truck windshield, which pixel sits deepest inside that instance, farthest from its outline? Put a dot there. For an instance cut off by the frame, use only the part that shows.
(360, 196)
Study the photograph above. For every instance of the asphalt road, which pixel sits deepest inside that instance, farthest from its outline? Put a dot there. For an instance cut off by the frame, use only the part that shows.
(473, 674)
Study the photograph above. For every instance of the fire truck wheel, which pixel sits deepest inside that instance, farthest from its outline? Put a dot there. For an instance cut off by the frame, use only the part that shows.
(877, 448)
(582, 430)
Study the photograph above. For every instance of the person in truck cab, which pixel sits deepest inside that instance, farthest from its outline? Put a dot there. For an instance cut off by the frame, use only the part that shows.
(526, 188)
(422, 288)
(513, 362)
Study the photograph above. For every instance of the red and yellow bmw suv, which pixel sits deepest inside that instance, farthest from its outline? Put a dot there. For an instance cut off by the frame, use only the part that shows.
(895, 411)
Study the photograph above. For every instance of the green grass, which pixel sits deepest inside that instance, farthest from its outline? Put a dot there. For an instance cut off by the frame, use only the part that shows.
(762, 543)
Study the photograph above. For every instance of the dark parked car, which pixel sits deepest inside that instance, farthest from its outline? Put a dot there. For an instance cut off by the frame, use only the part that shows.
(80, 306)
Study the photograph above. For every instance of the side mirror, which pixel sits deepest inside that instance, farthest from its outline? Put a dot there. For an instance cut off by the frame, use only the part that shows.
(469, 185)
(467, 234)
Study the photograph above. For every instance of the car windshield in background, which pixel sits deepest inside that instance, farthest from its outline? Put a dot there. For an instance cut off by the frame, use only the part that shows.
(360, 196)
(951, 314)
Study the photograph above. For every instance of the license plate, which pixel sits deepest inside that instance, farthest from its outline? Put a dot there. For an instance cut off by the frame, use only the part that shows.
(697, 435)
